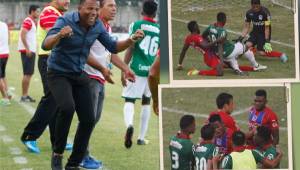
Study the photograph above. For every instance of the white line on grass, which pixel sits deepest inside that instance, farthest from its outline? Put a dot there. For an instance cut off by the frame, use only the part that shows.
(15, 150)
(6, 139)
(237, 33)
(20, 160)
(2, 128)
(199, 115)
(26, 169)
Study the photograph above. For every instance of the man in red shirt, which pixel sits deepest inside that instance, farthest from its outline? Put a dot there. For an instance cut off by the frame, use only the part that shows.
(262, 115)
(225, 106)
(223, 135)
(27, 48)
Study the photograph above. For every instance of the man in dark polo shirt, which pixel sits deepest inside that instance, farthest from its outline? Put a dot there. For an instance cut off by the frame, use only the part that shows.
(70, 41)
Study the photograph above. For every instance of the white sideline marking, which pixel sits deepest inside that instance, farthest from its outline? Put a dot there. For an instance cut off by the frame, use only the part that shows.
(20, 160)
(26, 106)
(199, 115)
(15, 150)
(2, 128)
(6, 139)
(237, 33)
(26, 169)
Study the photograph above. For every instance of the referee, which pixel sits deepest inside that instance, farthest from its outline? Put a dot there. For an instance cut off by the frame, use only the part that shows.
(70, 40)
(260, 36)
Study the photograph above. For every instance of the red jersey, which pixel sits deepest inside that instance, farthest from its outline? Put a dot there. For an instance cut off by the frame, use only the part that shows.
(265, 117)
(228, 121)
(224, 143)
(48, 18)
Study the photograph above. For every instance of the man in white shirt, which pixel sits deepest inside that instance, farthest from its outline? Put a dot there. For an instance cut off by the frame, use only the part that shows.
(27, 47)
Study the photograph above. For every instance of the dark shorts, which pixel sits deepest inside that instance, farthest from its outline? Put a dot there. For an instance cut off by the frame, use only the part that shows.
(28, 64)
(3, 62)
(258, 40)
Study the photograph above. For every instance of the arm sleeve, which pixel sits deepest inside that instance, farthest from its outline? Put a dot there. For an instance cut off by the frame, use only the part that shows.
(226, 162)
(48, 19)
(60, 23)
(187, 40)
(247, 17)
(27, 24)
(273, 121)
(267, 17)
(258, 156)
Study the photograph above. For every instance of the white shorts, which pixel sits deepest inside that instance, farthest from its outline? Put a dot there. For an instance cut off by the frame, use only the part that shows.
(238, 50)
(137, 89)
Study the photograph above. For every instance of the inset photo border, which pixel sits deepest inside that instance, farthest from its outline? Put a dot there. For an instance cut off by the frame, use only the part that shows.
(195, 68)
(199, 101)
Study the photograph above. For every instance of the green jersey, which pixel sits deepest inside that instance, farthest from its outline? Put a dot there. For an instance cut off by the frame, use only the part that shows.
(242, 160)
(145, 50)
(215, 33)
(270, 153)
(203, 153)
(181, 153)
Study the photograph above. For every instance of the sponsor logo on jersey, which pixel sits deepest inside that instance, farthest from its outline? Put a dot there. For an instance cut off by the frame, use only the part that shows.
(150, 28)
(144, 68)
(260, 17)
(213, 31)
(201, 149)
(175, 144)
(259, 23)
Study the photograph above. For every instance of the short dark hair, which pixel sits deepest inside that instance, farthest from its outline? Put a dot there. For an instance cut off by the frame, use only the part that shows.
(255, 2)
(221, 17)
(261, 92)
(149, 7)
(191, 25)
(33, 8)
(238, 138)
(214, 118)
(222, 99)
(186, 121)
(264, 132)
(207, 132)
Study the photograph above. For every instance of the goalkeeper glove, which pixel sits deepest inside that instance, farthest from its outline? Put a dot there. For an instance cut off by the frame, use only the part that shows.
(267, 47)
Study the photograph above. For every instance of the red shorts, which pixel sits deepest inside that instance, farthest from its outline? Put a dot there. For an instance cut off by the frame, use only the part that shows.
(211, 59)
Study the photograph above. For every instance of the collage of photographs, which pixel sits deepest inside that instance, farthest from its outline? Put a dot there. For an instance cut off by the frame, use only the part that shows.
(149, 84)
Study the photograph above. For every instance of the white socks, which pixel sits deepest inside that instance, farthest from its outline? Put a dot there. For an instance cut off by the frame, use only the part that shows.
(128, 113)
(250, 56)
(145, 116)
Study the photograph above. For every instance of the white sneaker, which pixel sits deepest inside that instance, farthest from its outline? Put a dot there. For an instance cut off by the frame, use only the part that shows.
(4, 102)
(259, 67)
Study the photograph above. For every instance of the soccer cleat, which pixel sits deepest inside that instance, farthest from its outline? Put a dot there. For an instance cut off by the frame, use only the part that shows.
(27, 99)
(128, 137)
(241, 73)
(69, 147)
(259, 67)
(4, 102)
(89, 162)
(56, 162)
(283, 58)
(142, 142)
(193, 71)
(31, 145)
(72, 168)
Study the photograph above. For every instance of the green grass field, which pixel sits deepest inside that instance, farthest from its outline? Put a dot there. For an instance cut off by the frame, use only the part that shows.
(201, 101)
(107, 139)
(282, 31)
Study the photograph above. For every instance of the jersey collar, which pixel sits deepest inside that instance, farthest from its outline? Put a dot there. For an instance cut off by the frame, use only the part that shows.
(183, 136)
(265, 147)
(239, 148)
(106, 24)
(149, 19)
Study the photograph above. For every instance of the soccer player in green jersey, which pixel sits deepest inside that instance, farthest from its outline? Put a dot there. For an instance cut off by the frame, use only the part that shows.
(140, 58)
(242, 158)
(180, 145)
(206, 149)
(264, 142)
(227, 51)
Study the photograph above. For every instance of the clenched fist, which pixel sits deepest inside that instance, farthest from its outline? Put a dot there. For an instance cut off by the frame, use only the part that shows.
(65, 32)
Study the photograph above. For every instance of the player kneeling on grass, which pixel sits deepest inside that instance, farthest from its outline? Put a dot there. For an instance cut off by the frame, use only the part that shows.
(180, 145)
(227, 51)
(242, 158)
(205, 150)
(260, 35)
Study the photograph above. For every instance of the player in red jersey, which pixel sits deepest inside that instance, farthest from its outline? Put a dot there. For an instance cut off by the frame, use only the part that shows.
(225, 106)
(223, 135)
(262, 115)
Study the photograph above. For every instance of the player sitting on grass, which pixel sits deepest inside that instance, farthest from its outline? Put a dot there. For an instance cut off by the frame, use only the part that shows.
(206, 149)
(242, 158)
(262, 115)
(227, 51)
(180, 145)
(264, 145)
(260, 36)
(222, 136)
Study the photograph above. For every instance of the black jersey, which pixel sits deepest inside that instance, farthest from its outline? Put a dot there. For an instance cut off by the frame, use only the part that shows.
(259, 19)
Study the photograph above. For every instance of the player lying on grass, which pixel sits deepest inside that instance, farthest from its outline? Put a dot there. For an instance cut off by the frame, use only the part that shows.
(242, 158)
(260, 36)
(227, 51)
(180, 145)
(205, 150)
(211, 59)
